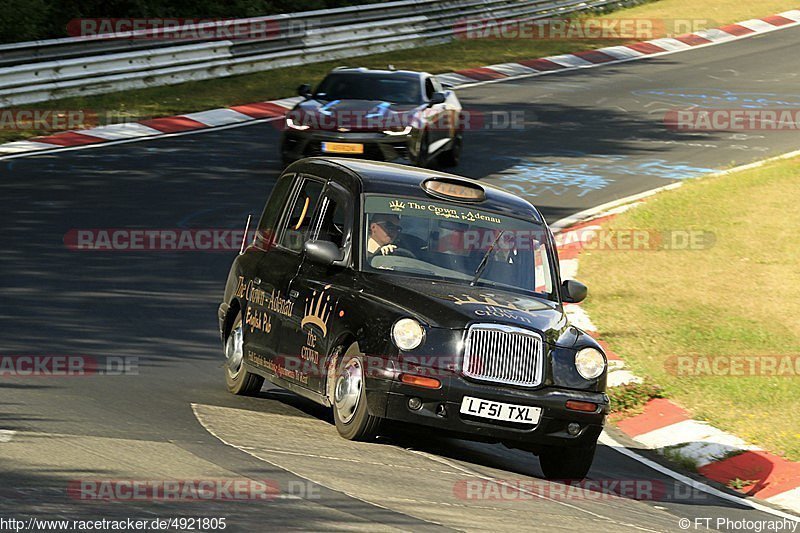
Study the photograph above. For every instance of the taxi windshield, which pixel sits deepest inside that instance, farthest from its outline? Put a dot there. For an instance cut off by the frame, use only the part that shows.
(455, 242)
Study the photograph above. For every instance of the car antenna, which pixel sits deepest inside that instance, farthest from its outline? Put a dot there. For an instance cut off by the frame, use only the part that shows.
(244, 237)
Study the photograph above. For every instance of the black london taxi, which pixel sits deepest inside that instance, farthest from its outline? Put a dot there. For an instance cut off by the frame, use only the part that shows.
(389, 292)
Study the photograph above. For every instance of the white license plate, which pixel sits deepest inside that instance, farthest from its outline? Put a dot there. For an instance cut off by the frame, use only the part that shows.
(507, 412)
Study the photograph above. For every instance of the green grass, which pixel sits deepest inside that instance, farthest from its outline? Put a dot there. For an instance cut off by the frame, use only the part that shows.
(279, 83)
(739, 297)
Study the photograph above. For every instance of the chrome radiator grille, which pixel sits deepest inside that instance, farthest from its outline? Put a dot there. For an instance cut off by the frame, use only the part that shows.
(503, 354)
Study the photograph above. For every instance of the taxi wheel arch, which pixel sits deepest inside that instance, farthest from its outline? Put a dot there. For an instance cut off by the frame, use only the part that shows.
(240, 382)
(352, 418)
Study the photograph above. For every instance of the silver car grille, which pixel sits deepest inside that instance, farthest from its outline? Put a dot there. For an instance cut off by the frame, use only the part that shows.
(504, 354)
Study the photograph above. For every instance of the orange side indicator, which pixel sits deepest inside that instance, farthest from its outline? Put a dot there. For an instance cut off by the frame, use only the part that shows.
(420, 381)
(577, 405)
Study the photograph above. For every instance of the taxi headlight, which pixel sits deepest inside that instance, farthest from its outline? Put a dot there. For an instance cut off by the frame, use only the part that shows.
(590, 363)
(407, 333)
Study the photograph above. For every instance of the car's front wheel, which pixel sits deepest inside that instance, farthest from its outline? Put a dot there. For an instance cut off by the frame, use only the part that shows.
(238, 379)
(566, 463)
(353, 420)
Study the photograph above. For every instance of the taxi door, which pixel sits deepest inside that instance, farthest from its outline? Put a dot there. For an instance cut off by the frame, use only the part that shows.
(311, 331)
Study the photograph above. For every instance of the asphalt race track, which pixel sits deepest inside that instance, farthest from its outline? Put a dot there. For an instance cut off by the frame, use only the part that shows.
(589, 137)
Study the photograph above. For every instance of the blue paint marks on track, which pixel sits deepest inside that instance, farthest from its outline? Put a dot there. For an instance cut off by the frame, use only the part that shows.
(560, 175)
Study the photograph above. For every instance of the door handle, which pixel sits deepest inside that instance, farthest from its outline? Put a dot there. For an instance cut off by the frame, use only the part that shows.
(293, 294)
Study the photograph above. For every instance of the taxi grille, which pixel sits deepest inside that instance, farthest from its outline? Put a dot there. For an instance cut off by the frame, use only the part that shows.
(503, 354)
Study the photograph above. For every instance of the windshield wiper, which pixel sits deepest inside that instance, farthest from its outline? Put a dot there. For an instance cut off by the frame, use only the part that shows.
(485, 260)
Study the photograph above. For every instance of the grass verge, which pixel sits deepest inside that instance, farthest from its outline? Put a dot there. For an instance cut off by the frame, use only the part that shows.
(740, 297)
(279, 83)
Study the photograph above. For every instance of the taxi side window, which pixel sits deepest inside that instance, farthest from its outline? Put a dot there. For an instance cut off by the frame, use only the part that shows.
(295, 231)
(330, 226)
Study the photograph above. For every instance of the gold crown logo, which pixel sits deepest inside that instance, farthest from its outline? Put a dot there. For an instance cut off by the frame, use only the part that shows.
(318, 311)
(397, 205)
(487, 300)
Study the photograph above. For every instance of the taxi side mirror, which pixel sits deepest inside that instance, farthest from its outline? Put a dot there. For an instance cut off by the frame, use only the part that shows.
(573, 292)
(323, 252)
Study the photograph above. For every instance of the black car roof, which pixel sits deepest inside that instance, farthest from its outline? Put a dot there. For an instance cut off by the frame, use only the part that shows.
(391, 178)
(362, 70)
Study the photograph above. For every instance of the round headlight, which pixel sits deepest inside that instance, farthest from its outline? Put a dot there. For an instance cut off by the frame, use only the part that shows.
(407, 333)
(590, 363)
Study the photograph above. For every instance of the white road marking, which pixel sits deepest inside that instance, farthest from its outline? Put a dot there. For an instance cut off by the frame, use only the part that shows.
(608, 440)
(621, 52)
(6, 435)
(125, 130)
(756, 25)
(24, 146)
(569, 60)
(474, 473)
(670, 44)
(512, 69)
(218, 117)
(283, 467)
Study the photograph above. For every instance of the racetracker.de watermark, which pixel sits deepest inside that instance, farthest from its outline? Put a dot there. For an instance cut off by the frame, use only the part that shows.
(159, 240)
(189, 29)
(381, 118)
(733, 120)
(572, 490)
(636, 239)
(47, 119)
(67, 365)
(189, 490)
(565, 29)
(727, 366)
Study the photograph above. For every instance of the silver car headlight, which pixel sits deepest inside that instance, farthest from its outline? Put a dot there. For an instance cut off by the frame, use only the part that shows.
(407, 333)
(590, 363)
(404, 131)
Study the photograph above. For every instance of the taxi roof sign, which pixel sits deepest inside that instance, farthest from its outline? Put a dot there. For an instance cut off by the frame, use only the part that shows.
(454, 189)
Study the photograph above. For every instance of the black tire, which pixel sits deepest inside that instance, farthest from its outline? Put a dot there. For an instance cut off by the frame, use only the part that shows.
(567, 463)
(451, 157)
(238, 379)
(422, 155)
(353, 420)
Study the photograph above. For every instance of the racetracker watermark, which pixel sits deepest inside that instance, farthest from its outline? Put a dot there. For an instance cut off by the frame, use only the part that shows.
(160, 240)
(733, 120)
(67, 365)
(189, 29)
(636, 239)
(47, 119)
(571, 490)
(578, 29)
(185, 490)
(741, 366)
(190, 490)
(382, 118)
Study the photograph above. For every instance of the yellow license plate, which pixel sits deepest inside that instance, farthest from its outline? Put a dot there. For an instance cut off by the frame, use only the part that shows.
(343, 148)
